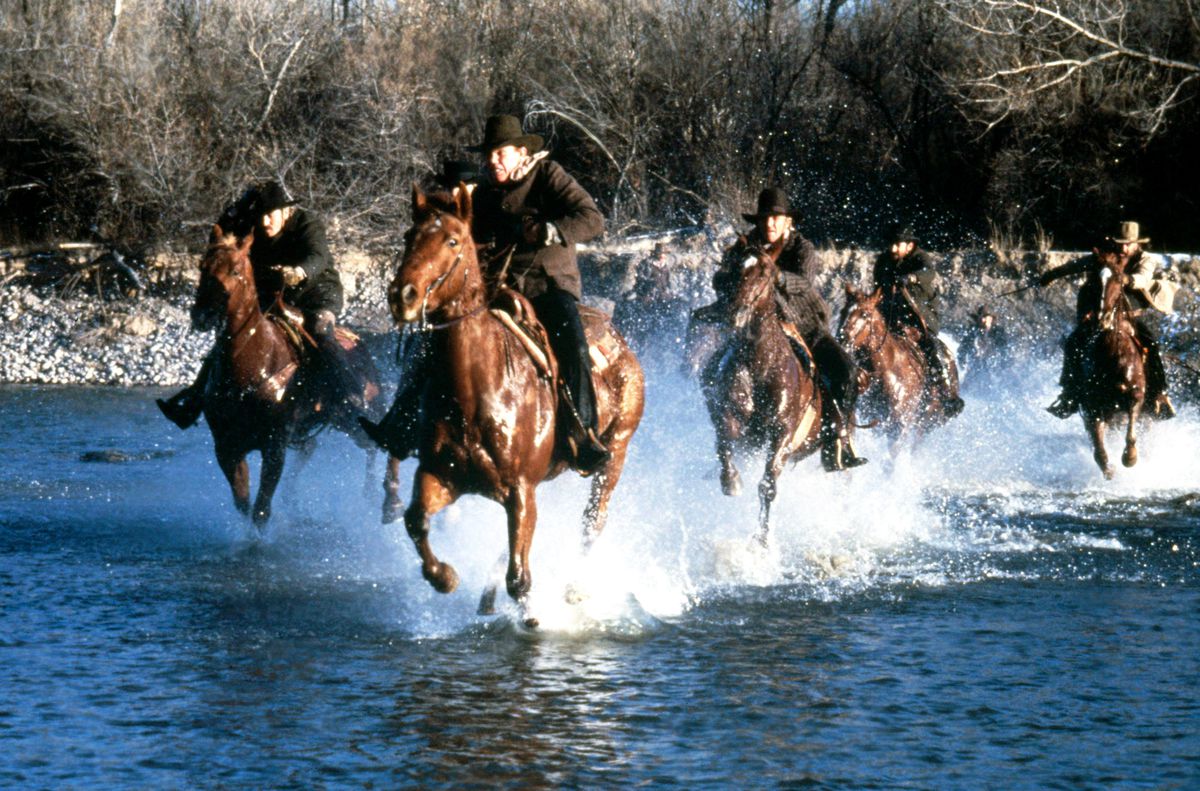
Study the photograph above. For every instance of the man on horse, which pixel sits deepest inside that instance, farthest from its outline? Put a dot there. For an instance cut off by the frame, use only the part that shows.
(528, 215)
(1143, 289)
(905, 276)
(292, 264)
(801, 305)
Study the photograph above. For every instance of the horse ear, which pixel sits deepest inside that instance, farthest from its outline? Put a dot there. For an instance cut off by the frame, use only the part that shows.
(851, 291)
(418, 200)
(462, 202)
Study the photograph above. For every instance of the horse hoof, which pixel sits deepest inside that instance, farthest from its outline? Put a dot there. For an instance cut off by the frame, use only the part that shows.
(442, 577)
(531, 623)
(1108, 473)
(1129, 457)
(731, 485)
(487, 602)
(393, 509)
(261, 518)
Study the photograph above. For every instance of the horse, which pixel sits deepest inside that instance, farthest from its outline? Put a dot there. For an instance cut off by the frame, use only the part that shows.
(893, 382)
(259, 396)
(1111, 365)
(490, 421)
(758, 392)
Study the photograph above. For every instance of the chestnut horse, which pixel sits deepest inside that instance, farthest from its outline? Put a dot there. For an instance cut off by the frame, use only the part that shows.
(489, 424)
(893, 378)
(1111, 365)
(759, 394)
(253, 398)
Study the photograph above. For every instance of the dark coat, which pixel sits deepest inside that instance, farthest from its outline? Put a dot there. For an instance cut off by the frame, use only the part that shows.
(795, 292)
(547, 194)
(915, 277)
(300, 243)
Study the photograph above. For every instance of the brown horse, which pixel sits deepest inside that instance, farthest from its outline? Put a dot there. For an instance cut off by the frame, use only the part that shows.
(1111, 365)
(759, 394)
(256, 396)
(489, 424)
(893, 375)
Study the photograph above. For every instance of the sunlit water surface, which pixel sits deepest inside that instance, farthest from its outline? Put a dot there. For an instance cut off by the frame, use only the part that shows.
(984, 612)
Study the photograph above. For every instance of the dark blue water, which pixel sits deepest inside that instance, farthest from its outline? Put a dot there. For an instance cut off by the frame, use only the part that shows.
(985, 612)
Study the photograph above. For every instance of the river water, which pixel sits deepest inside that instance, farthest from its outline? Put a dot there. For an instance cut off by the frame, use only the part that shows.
(986, 611)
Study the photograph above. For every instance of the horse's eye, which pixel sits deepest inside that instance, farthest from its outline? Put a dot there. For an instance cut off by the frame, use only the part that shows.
(452, 242)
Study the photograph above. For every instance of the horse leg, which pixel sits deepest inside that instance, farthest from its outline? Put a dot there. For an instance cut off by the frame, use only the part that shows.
(237, 472)
(731, 482)
(430, 495)
(1095, 427)
(272, 471)
(595, 516)
(768, 488)
(521, 507)
(392, 504)
(1130, 456)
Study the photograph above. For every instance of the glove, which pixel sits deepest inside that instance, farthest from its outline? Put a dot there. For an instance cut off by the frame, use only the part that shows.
(533, 232)
(292, 275)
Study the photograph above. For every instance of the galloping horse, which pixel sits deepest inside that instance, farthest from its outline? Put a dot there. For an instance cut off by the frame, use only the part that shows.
(1112, 365)
(759, 394)
(893, 378)
(253, 398)
(490, 417)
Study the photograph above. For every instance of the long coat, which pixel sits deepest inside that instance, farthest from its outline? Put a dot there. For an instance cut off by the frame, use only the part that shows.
(914, 274)
(795, 291)
(1144, 289)
(547, 194)
(300, 243)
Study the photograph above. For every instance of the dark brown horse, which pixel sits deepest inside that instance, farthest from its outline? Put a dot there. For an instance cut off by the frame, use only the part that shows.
(256, 396)
(759, 393)
(893, 377)
(1111, 365)
(490, 420)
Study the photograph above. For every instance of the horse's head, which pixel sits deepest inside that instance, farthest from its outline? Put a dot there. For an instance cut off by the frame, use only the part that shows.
(1113, 305)
(861, 319)
(226, 279)
(439, 262)
(755, 294)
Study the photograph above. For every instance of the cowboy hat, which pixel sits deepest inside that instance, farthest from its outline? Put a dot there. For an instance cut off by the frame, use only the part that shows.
(1129, 234)
(771, 201)
(505, 130)
(271, 196)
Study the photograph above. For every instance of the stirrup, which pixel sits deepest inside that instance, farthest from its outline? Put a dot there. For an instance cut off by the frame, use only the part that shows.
(590, 454)
(1163, 408)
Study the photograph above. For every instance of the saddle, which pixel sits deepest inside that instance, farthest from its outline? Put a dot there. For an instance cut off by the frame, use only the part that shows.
(516, 313)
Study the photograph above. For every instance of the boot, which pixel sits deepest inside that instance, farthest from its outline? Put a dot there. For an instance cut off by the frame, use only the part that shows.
(588, 453)
(183, 409)
(1063, 407)
(837, 454)
(1163, 408)
(345, 380)
(396, 432)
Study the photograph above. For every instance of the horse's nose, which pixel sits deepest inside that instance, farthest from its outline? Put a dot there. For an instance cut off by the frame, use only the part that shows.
(408, 295)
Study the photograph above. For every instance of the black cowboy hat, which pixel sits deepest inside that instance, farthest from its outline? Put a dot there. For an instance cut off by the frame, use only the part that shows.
(271, 196)
(455, 172)
(772, 201)
(505, 130)
(900, 232)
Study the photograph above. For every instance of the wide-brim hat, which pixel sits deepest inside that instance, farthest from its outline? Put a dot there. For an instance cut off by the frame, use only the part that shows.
(455, 172)
(271, 196)
(505, 130)
(1130, 233)
(771, 201)
(901, 233)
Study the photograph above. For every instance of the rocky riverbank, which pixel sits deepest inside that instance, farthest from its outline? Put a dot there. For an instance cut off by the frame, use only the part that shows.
(85, 338)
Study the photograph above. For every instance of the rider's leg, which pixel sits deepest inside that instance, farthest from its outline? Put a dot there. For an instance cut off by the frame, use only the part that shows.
(939, 373)
(559, 313)
(183, 409)
(323, 324)
(397, 431)
(1067, 402)
(1156, 372)
(838, 370)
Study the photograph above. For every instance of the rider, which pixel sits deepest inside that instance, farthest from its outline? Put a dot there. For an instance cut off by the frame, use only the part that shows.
(290, 259)
(529, 214)
(905, 276)
(1142, 290)
(800, 303)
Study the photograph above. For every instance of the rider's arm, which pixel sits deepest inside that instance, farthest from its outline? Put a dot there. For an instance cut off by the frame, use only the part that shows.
(574, 217)
(312, 242)
(1076, 267)
(1141, 272)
